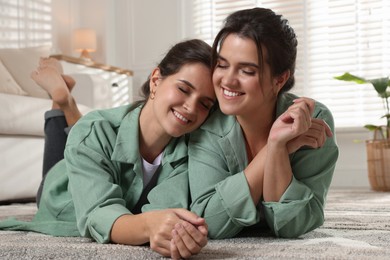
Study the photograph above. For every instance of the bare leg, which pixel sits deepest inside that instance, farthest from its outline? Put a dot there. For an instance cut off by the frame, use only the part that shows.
(64, 113)
(58, 87)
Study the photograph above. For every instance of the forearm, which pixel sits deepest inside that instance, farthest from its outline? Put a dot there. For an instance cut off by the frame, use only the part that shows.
(254, 174)
(269, 173)
(277, 172)
(130, 230)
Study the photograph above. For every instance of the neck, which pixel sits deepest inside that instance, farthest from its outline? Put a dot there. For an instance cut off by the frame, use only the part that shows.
(256, 128)
(152, 138)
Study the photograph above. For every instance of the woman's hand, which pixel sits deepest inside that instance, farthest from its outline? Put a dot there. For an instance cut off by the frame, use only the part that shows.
(314, 137)
(292, 123)
(160, 228)
(297, 128)
(177, 233)
(188, 239)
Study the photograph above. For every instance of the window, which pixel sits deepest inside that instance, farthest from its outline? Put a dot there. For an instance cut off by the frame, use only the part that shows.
(334, 37)
(25, 23)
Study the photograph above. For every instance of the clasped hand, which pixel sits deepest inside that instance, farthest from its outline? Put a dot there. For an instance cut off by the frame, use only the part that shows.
(296, 128)
(177, 233)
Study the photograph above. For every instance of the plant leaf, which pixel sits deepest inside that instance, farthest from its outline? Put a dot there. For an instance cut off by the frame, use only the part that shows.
(380, 85)
(349, 77)
(372, 127)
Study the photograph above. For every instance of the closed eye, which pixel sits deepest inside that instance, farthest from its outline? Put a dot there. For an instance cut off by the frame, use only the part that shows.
(221, 63)
(222, 66)
(183, 89)
(249, 72)
(206, 106)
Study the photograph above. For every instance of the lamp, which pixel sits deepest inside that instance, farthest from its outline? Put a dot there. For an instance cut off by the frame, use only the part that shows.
(84, 41)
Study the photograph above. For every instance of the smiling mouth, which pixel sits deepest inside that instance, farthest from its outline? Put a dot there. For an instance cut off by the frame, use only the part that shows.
(180, 117)
(231, 93)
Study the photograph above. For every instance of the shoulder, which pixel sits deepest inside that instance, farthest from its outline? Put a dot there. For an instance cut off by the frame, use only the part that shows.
(218, 124)
(100, 123)
(113, 116)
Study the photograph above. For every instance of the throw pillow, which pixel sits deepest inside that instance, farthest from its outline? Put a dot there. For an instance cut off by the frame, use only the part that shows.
(8, 84)
(21, 62)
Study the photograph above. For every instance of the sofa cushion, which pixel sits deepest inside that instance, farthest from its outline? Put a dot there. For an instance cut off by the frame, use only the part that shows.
(24, 115)
(21, 62)
(8, 84)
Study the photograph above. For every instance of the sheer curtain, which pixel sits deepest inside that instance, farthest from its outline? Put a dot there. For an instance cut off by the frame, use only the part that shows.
(25, 23)
(334, 37)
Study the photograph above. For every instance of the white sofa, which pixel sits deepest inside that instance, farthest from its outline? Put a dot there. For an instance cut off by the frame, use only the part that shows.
(22, 106)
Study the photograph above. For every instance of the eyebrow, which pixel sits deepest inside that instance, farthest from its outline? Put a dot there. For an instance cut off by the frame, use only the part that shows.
(251, 64)
(193, 87)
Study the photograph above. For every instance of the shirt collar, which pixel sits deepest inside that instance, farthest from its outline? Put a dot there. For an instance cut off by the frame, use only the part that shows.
(126, 149)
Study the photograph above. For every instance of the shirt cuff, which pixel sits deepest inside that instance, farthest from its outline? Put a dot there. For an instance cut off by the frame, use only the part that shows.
(295, 198)
(101, 220)
(237, 201)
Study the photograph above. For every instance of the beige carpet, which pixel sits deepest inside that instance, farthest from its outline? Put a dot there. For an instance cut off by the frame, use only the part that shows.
(357, 227)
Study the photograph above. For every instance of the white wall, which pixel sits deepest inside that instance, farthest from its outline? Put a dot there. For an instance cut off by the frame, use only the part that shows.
(132, 34)
(351, 168)
(135, 34)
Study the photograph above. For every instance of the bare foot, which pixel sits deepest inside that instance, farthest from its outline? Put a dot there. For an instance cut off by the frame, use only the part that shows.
(51, 62)
(51, 80)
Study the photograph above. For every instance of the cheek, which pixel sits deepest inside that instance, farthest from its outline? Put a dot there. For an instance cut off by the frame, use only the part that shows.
(216, 77)
(216, 84)
(168, 95)
(202, 115)
(252, 84)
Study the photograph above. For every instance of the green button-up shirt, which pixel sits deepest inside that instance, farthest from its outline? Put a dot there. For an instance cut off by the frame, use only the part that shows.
(219, 190)
(100, 178)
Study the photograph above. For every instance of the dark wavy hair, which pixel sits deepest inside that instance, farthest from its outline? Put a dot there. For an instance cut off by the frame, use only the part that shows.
(182, 53)
(266, 29)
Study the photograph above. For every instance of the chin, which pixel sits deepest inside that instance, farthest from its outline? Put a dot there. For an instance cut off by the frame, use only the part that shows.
(228, 110)
(174, 133)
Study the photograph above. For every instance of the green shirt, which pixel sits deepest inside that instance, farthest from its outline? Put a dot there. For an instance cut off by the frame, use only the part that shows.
(219, 190)
(100, 178)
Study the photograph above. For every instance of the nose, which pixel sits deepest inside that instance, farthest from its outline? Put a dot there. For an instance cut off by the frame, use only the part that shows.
(228, 77)
(190, 105)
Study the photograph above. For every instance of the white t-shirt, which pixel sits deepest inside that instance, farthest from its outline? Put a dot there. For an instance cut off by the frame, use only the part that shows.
(150, 168)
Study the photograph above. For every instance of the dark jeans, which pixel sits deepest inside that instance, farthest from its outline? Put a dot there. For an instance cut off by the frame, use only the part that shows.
(56, 133)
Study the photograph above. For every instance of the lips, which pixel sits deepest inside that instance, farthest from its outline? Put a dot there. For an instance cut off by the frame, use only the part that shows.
(230, 93)
(180, 117)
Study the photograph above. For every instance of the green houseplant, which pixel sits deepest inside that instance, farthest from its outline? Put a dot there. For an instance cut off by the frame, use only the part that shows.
(378, 149)
(381, 86)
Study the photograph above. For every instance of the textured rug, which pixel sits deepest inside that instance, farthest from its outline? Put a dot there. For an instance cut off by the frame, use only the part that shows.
(356, 227)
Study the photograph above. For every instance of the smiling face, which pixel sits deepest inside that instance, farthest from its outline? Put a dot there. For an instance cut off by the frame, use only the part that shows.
(242, 85)
(182, 101)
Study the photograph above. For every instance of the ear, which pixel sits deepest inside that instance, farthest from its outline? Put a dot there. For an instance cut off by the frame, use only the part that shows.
(280, 80)
(155, 78)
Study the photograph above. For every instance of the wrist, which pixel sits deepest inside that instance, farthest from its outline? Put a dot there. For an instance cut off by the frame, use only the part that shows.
(276, 145)
(130, 230)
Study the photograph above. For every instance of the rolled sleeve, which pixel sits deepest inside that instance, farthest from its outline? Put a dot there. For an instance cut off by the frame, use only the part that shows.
(101, 220)
(227, 209)
(238, 205)
(293, 201)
